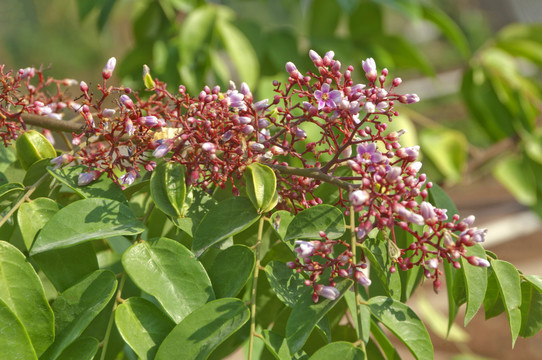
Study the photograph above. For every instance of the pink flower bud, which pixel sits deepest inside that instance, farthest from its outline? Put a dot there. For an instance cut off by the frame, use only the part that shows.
(126, 101)
(358, 197)
(361, 278)
(254, 146)
(108, 68)
(108, 113)
(305, 248)
(161, 151)
(83, 86)
(329, 292)
(369, 66)
(209, 147)
(127, 179)
(87, 178)
(316, 59)
(432, 263)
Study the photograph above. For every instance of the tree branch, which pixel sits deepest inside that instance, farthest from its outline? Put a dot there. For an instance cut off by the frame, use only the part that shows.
(52, 124)
(314, 173)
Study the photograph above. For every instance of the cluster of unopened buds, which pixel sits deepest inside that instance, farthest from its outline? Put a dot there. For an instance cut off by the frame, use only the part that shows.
(217, 134)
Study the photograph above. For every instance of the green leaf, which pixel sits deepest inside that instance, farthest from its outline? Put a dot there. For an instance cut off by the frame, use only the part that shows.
(510, 289)
(143, 326)
(168, 188)
(448, 27)
(231, 270)
(383, 281)
(408, 8)
(21, 290)
(447, 150)
(365, 20)
(531, 309)
(493, 304)
(535, 280)
(226, 219)
(203, 330)
(161, 268)
(76, 307)
(475, 282)
(308, 223)
(404, 324)
(339, 350)
(34, 173)
(9, 193)
(65, 267)
(286, 283)
(86, 220)
(14, 340)
(306, 314)
(81, 349)
(33, 146)
(486, 108)
(197, 204)
(7, 157)
(103, 187)
(261, 186)
(517, 178)
(33, 215)
(276, 345)
(196, 31)
(440, 199)
(240, 51)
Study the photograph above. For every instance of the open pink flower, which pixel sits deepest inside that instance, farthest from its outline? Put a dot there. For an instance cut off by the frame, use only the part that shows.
(327, 98)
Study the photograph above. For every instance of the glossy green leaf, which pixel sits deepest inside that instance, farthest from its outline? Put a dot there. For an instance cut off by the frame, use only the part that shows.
(34, 173)
(76, 307)
(86, 220)
(33, 215)
(143, 326)
(14, 340)
(7, 157)
(510, 289)
(286, 283)
(340, 350)
(9, 193)
(226, 219)
(447, 149)
(308, 223)
(475, 282)
(517, 178)
(21, 290)
(383, 341)
(84, 348)
(168, 188)
(306, 314)
(197, 204)
(493, 304)
(535, 280)
(240, 51)
(276, 344)
(231, 270)
(65, 267)
(261, 186)
(203, 330)
(168, 271)
(103, 187)
(531, 309)
(404, 324)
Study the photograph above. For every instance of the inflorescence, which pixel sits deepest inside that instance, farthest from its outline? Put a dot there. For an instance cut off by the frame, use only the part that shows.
(217, 134)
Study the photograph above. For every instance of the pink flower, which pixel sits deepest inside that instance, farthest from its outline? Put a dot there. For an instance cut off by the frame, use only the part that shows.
(329, 292)
(108, 68)
(367, 153)
(327, 98)
(369, 66)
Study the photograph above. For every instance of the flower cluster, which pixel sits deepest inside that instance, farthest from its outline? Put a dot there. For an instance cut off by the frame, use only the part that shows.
(328, 125)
